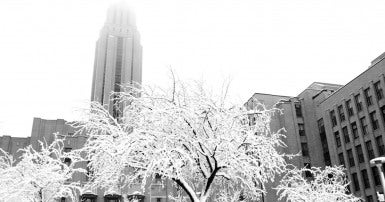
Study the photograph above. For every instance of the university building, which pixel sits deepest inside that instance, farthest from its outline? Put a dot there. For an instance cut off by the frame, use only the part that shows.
(330, 124)
(326, 124)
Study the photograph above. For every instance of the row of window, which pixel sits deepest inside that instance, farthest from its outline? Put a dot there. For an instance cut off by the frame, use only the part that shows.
(360, 154)
(369, 101)
(364, 128)
(365, 179)
(324, 142)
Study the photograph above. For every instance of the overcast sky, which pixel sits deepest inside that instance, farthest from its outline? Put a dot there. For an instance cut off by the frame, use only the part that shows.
(268, 46)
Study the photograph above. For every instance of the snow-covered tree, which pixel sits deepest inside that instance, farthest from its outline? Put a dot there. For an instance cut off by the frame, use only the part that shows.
(40, 175)
(205, 145)
(326, 185)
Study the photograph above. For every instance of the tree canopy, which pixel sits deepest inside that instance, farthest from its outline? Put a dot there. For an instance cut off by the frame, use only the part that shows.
(189, 135)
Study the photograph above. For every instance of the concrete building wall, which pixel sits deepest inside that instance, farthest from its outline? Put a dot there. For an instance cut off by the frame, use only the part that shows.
(12, 145)
(286, 117)
(345, 104)
(310, 99)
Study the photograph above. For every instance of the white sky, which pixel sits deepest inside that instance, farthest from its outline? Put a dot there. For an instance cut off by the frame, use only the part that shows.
(268, 46)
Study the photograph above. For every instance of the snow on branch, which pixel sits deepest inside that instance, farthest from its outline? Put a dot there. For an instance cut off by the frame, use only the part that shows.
(41, 175)
(326, 185)
(186, 134)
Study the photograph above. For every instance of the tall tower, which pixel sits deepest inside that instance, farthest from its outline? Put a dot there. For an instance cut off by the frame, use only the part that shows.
(118, 55)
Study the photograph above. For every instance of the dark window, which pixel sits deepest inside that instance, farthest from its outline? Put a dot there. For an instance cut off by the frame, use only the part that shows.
(326, 155)
(354, 130)
(370, 150)
(355, 182)
(348, 191)
(346, 134)
(305, 149)
(368, 97)
(298, 109)
(301, 129)
(333, 118)
(341, 158)
(365, 178)
(341, 113)
(321, 126)
(67, 161)
(364, 125)
(369, 198)
(158, 178)
(324, 142)
(374, 120)
(158, 200)
(350, 157)
(383, 112)
(357, 98)
(380, 145)
(89, 170)
(307, 172)
(86, 198)
(378, 90)
(111, 199)
(349, 108)
(338, 139)
(62, 199)
(360, 154)
(376, 176)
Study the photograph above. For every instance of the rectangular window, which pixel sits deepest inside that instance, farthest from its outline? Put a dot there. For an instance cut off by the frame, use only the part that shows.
(67, 149)
(158, 178)
(378, 90)
(364, 125)
(374, 120)
(380, 145)
(355, 182)
(383, 112)
(346, 134)
(307, 173)
(324, 142)
(360, 154)
(338, 139)
(333, 118)
(354, 130)
(298, 109)
(368, 97)
(111, 199)
(89, 170)
(86, 198)
(301, 129)
(349, 108)
(341, 113)
(321, 126)
(341, 158)
(376, 176)
(365, 178)
(357, 98)
(370, 150)
(369, 198)
(305, 149)
(67, 161)
(351, 158)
